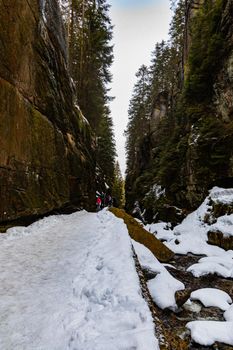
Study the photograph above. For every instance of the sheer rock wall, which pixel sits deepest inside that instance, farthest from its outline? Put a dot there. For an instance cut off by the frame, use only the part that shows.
(209, 157)
(47, 148)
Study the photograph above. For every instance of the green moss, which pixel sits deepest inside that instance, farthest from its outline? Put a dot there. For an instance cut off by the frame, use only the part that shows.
(139, 234)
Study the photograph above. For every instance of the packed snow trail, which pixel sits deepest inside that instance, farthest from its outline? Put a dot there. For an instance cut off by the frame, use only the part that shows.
(69, 282)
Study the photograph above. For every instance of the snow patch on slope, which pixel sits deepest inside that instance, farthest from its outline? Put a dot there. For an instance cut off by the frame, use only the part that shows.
(208, 332)
(191, 235)
(212, 297)
(163, 286)
(222, 265)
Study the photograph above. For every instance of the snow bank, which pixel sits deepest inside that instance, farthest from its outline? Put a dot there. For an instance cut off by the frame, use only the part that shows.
(146, 258)
(69, 282)
(212, 297)
(208, 332)
(222, 195)
(224, 224)
(191, 235)
(222, 265)
(163, 286)
(162, 230)
(228, 315)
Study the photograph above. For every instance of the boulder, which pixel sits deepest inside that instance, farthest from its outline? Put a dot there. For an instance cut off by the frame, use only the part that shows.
(217, 238)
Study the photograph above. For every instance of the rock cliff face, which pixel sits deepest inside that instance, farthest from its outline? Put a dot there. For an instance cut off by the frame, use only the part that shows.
(46, 145)
(192, 7)
(210, 128)
(190, 144)
(223, 87)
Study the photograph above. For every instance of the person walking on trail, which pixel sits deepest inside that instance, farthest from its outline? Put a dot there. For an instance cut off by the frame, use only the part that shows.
(108, 200)
(98, 203)
(137, 213)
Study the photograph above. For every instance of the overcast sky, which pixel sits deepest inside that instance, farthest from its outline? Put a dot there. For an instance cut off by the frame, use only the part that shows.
(139, 24)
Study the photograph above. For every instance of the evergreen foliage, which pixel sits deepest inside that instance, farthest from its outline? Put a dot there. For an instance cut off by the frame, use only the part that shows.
(106, 148)
(118, 187)
(188, 147)
(159, 82)
(205, 52)
(139, 113)
(89, 32)
(90, 56)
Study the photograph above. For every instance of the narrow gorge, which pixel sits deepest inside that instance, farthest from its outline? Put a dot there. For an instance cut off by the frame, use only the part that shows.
(91, 259)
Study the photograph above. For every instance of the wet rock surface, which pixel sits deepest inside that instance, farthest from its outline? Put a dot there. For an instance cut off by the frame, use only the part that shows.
(172, 325)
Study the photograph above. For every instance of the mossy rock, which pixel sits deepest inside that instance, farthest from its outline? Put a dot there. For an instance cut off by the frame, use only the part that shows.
(139, 234)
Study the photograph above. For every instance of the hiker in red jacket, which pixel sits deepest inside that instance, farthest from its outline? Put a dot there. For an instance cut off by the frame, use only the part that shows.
(98, 203)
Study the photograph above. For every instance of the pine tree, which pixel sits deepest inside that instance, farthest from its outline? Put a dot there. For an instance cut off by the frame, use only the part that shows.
(118, 187)
(106, 150)
(91, 56)
(160, 83)
(139, 115)
(89, 32)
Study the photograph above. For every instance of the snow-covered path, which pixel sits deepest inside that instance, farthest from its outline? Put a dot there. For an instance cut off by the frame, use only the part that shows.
(69, 282)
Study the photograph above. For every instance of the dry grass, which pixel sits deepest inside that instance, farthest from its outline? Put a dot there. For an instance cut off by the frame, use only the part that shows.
(139, 234)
